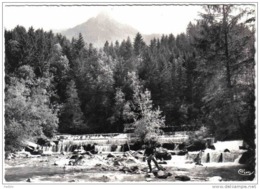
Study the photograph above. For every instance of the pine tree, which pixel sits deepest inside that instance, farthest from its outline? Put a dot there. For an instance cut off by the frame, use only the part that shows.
(223, 44)
(138, 44)
(126, 49)
(80, 43)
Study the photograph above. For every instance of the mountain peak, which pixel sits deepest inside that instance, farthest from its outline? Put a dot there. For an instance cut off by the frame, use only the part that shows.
(103, 15)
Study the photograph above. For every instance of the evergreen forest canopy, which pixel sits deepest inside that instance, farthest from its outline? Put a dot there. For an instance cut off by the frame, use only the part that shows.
(204, 77)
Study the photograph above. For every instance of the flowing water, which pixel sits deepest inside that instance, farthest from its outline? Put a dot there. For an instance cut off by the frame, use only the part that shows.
(221, 162)
(38, 174)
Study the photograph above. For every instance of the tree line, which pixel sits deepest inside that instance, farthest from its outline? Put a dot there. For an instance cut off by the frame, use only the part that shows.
(203, 77)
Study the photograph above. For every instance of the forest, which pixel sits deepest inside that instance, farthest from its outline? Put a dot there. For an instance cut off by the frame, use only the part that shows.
(204, 77)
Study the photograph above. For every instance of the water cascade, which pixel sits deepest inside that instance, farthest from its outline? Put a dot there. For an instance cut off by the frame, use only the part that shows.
(224, 152)
(98, 142)
(227, 151)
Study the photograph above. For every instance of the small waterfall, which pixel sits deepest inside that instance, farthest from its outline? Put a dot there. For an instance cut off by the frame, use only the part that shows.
(237, 159)
(119, 148)
(59, 147)
(217, 156)
(212, 157)
(176, 147)
(47, 148)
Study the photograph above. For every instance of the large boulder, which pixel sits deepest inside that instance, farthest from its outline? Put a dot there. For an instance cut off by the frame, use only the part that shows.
(32, 148)
(42, 142)
(161, 174)
(169, 146)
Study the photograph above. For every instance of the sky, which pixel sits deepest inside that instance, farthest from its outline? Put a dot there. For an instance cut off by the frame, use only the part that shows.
(146, 19)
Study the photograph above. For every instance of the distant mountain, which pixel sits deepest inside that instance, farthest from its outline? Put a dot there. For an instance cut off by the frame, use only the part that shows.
(102, 28)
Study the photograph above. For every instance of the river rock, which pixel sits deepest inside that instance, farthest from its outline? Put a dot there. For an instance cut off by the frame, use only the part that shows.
(23, 153)
(134, 169)
(125, 169)
(162, 162)
(181, 153)
(169, 146)
(162, 154)
(117, 163)
(29, 149)
(110, 155)
(212, 147)
(42, 142)
(162, 174)
(137, 154)
(9, 156)
(30, 144)
(75, 156)
(182, 178)
(226, 150)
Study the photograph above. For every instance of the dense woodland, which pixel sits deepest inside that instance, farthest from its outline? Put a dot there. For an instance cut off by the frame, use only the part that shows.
(204, 77)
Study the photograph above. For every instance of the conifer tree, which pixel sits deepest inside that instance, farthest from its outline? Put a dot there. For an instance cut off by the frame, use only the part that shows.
(138, 44)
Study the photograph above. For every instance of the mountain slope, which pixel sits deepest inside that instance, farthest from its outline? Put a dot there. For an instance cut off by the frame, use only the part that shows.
(102, 28)
(98, 30)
